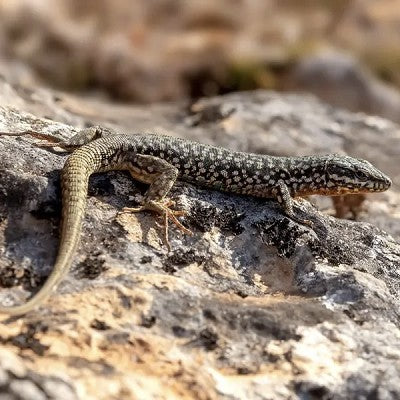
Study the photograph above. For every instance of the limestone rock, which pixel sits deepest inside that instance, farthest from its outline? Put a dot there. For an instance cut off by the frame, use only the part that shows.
(252, 306)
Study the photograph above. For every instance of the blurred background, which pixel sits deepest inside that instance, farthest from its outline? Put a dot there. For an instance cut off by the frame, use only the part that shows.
(345, 51)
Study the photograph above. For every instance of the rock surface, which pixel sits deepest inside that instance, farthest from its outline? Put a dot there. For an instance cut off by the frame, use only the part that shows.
(253, 306)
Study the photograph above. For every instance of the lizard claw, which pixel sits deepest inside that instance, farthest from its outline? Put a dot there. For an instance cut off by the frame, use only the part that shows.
(162, 208)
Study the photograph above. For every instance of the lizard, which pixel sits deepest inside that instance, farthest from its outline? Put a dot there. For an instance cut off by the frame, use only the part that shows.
(159, 161)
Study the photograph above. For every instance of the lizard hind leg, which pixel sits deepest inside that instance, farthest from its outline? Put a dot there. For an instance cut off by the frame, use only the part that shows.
(81, 138)
(161, 176)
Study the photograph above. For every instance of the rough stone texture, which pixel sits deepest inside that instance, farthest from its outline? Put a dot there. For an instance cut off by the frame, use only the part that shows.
(253, 306)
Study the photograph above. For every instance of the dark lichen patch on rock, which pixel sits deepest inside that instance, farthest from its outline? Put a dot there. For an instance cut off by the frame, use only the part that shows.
(242, 294)
(312, 391)
(146, 260)
(91, 267)
(109, 234)
(181, 332)
(113, 233)
(50, 209)
(13, 275)
(324, 244)
(246, 370)
(126, 301)
(208, 314)
(181, 258)
(116, 188)
(332, 251)
(99, 325)
(207, 338)
(205, 217)
(101, 185)
(281, 233)
(331, 246)
(28, 339)
(148, 321)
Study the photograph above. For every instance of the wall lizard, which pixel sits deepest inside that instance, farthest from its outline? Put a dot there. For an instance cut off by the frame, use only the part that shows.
(160, 160)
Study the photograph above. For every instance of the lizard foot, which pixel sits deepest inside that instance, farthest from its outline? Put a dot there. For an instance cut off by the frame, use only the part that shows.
(162, 208)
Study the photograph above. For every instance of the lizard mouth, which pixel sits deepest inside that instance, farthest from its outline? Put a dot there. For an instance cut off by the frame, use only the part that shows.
(338, 191)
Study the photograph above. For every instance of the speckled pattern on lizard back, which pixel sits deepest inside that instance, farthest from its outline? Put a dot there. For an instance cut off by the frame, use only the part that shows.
(160, 160)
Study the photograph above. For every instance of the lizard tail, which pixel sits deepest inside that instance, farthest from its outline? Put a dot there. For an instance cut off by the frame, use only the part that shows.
(74, 178)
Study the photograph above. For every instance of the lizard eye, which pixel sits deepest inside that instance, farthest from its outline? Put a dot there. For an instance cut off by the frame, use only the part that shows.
(361, 176)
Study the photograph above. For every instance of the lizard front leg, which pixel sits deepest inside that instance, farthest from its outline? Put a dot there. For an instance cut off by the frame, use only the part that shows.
(161, 176)
(286, 201)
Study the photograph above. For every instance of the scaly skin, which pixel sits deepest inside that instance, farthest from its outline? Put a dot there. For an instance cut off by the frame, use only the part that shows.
(160, 160)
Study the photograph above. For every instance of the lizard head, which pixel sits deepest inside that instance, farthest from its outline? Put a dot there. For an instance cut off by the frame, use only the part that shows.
(346, 174)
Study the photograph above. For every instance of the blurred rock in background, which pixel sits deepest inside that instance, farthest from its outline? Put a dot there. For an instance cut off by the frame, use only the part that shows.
(172, 49)
(341, 81)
